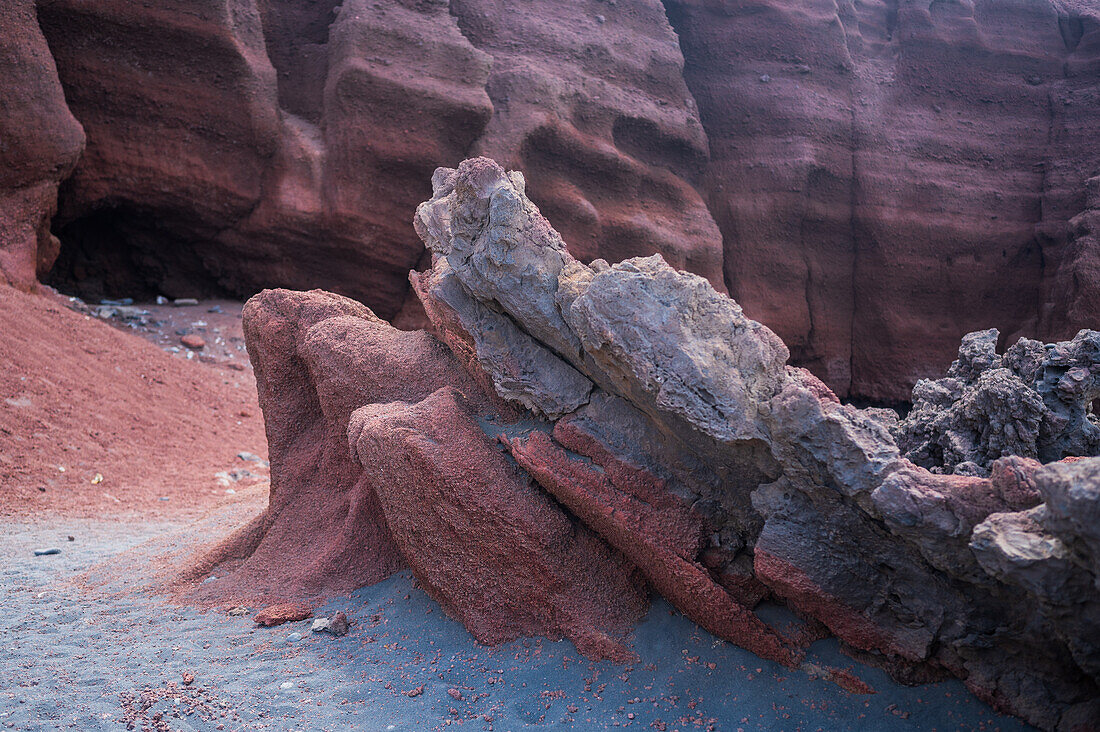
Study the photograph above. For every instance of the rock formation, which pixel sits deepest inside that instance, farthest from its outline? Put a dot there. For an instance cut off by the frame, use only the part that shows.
(574, 433)
(867, 179)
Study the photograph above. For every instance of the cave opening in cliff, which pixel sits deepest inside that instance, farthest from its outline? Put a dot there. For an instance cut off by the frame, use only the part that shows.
(125, 251)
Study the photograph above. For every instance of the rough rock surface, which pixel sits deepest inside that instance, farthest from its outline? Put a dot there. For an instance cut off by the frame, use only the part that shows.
(379, 460)
(1035, 401)
(868, 179)
(699, 464)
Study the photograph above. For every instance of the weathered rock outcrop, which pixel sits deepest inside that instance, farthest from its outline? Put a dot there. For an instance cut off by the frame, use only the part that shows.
(684, 453)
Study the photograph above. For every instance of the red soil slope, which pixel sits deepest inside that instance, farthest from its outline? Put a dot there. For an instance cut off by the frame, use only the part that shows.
(80, 395)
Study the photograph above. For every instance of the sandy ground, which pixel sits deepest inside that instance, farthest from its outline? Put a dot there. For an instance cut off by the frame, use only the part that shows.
(89, 642)
(88, 645)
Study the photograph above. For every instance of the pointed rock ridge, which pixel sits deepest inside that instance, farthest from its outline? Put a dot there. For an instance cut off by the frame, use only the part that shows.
(574, 433)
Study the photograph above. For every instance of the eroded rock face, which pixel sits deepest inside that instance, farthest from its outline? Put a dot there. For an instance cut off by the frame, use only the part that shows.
(868, 179)
(261, 143)
(41, 144)
(690, 458)
(883, 173)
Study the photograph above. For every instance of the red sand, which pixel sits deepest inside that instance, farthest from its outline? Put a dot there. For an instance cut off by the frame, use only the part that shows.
(78, 394)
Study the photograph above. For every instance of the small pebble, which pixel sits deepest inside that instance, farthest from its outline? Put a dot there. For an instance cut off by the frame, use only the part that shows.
(46, 552)
(194, 342)
(294, 637)
(185, 301)
(286, 685)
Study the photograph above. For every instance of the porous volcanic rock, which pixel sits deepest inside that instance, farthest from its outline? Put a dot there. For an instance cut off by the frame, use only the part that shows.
(696, 399)
(689, 456)
(1034, 401)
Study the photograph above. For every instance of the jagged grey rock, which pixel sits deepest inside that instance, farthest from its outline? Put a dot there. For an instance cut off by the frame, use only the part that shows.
(1034, 401)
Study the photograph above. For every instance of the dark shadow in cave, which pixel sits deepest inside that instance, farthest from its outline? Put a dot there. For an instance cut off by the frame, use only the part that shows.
(124, 251)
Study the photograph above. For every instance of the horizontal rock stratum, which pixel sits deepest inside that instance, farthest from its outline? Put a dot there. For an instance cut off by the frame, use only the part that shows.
(572, 434)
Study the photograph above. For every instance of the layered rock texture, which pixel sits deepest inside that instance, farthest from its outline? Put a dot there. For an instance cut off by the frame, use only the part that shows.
(573, 434)
(871, 179)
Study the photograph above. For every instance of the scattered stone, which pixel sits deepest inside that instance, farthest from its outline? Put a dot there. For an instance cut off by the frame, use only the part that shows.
(287, 612)
(249, 457)
(415, 692)
(46, 552)
(216, 309)
(194, 342)
(294, 638)
(72, 538)
(188, 678)
(180, 302)
(162, 300)
(286, 685)
(455, 694)
(336, 625)
(238, 611)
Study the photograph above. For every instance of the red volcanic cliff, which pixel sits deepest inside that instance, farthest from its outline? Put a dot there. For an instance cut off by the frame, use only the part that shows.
(872, 180)
(890, 175)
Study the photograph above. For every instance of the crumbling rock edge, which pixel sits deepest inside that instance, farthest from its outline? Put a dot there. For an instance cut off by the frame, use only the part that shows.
(573, 433)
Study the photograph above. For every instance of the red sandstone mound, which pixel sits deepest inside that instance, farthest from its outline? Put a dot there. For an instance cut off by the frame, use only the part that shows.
(97, 422)
(871, 181)
(659, 439)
